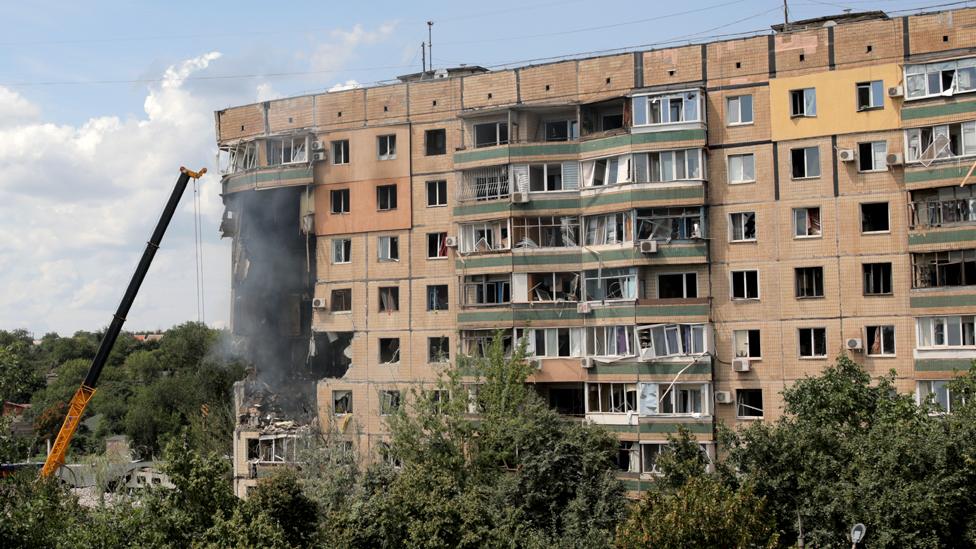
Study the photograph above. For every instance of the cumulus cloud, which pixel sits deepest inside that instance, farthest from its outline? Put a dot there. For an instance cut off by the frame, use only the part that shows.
(14, 109)
(342, 45)
(347, 85)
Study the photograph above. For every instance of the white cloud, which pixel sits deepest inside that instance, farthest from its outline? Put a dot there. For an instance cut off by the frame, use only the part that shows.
(336, 53)
(14, 109)
(347, 85)
(266, 92)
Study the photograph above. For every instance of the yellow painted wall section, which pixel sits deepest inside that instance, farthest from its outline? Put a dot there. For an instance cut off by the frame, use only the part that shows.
(836, 103)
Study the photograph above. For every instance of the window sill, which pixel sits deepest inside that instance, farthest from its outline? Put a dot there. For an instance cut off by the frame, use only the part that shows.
(808, 237)
(747, 241)
(341, 312)
(805, 178)
(381, 210)
(889, 294)
(880, 356)
(885, 170)
(808, 297)
(744, 299)
(436, 205)
(342, 262)
(746, 182)
(740, 124)
(441, 258)
(381, 260)
(869, 233)
(749, 418)
(867, 109)
(824, 357)
(803, 116)
(339, 213)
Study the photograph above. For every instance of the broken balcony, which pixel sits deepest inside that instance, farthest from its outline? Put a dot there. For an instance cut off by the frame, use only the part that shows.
(668, 224)
(547, 231)
(281, 160)
(476, 343)
(604, 118)
(484, 184)
(484, 237)
(942, 207)
(674, 110)
(486, 290)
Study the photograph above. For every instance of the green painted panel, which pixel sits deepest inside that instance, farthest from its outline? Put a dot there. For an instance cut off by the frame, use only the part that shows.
(942, 364)
(478, 155)
(663, 194)
(636, 485)
(640, 138)
(651, 368)
(672, 310)
(941, 109)
(660, 427)
(544, 149)
(942, 237)
(935, 174)
(270, 175)
(575, 257)
(942, 301)
(496, 206)
(549, 204)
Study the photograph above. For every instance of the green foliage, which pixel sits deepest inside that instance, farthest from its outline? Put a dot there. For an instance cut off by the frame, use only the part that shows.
(18, 380)
(280, 498)
(36, 513)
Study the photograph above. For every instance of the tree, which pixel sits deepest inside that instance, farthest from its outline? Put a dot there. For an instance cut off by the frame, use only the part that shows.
(280, 498)
(851, 450)
(18, 380)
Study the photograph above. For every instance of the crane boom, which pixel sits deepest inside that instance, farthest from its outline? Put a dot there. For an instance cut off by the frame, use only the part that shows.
(84, 394)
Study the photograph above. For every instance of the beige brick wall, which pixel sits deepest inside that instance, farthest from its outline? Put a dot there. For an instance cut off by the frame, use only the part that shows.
(605, 77)
(345, 109)
(742, 61)
(489, 90)
(386, 104)
(801, 52)
(851, 43)
(240, 122)
(672, 65)
(942, 31)
(290, 114)
(555, 82)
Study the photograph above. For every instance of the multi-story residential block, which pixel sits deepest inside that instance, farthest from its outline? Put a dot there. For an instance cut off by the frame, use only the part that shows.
(677, 234)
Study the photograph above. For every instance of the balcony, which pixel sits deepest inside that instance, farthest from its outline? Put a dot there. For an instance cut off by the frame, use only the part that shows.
(266, 163)
(522, 134)
(942, 216)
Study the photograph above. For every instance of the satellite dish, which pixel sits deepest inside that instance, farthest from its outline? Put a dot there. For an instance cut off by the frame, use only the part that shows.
(857, 533)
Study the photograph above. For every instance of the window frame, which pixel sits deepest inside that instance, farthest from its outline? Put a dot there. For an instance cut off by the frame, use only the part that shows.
(745, 285)
(344, 196)
(685, 276)
(392, 248)
(393, 299)
(545, 177)
(961, 321)
(346, 250)
(888, 217)
(806, 210)
(435, 288)
(738, 406)
(873, 156)
(390, 142)
(894, 341)
(396, 353)
(441, 241)
(427, 142)
(339, 394)
(865, 267)
(333, 299)
(390, 199)
(729, 171)
(813, 332)
(806, 163)
(439, 187)
(803, 94)
(800, 273)
(737, 99)
(390, 404)
(872, 92)
(343, 149)
(742, 225)
(498, 134)
(645, 102)
(748, 334)
(444, 357)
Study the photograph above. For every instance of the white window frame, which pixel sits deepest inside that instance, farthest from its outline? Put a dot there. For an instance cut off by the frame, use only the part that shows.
(738, 405)
(500, 236)
(922, 74)
(498, 134)
(808, 103)
(545, 177)
(739, 220)
(626, 277)
(651, 399)
(392, 201)
(609, 234)
(814, 330)
(745, 285)
(879, 156)
(734, 110)
(617, 399)
(926, 387)
(336, 243)
(884, 351)
(550, 337)
(860, 211)
(927, 331)
(441, 197)
(441, 245)
(672, 165)
(645, 102)
(615, 169)
(876, 93)
(384, 246)
(670, 340)
(808, 226)
(296, 151)
(737, 175)
(390, 142)
(609, 341)
(744, 336)
(684, 284)
(238, 158)
(967, 143)
(342, 157)
(806, 163)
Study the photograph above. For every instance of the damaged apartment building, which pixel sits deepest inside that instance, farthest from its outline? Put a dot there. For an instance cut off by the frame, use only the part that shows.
(677, 234)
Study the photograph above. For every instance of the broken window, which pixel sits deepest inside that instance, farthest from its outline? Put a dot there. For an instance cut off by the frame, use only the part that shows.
(748, 403)
(946, 331)
(437, 297)
(567, 400)
(612, 228)
(809, 282)
(491, 134)
(607, 171)
(745, 285)
(269, 449)
(342, 402)
(943, 206)
(611, 398)
(388, 248)
(238, 158)
(475, 343)
(738, 110)
(490, 183)
(673, 399)
(677, 286)
(667, 224)
(435, 142)
(341, 301)
(389, 402)
(944, 269)
(610, 341)
(880, 340)
(650, 451)
(439, 398)
(874, 217)
(339, 201)
(877, 278)
(872, 156)
(386, 147)
(803, 102)
(340, 151)
(341, 250)
(487, 289)
(940, 78)
(943, 398)
(665, 166)
(552, 342)
(389, 350)
(389, 299)
(806, 222)
(545, 177)
(436, 245)
(746, 344)
(562, 130)
(674, 108)
(628, 456)
(662, 340)
(805, 162)
(386, 197)
(742, 226)
(553, 286)
(546, 231)
(610, 284)
(813, 342)
(870, 95)
(287, 150)
(438, 349)
(436, 193)
(926, 145)
(742, 168)
(485, 236)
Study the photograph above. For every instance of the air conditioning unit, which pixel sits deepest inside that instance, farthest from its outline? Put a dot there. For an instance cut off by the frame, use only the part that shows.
(520, 198)
(450, 242)
(648, 246)
(319, 303)
(583, 308)
(896, 91)
(586, 362)
(723, 397)
(895, 159)
(318, 156)
(535, 364)
(740, 364)
(855, 344)
(318, 146)
(845, 155)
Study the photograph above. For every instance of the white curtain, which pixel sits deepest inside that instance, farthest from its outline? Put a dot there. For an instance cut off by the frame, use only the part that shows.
(648, 399)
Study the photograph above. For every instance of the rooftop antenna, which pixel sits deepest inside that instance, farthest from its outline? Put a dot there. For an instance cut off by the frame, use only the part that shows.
(423, 58)
(786, 16)
(430, 47)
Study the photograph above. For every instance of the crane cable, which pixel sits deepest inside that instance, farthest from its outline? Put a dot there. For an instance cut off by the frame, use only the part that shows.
(198, 252)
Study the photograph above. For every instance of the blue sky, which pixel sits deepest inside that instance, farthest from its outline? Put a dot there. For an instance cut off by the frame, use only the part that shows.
(99, 106)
